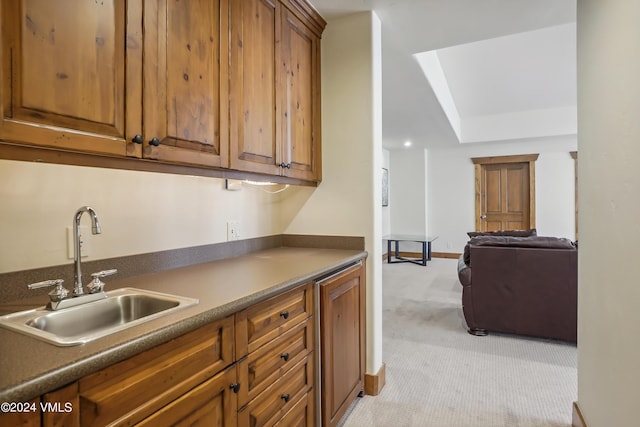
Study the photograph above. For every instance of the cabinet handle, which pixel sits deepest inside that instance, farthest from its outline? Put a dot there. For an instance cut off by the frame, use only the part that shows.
(285, 357)
(154, 141)
(235, 387)
(284, 315)
(285, 165)
(137, 139)
(285, 397)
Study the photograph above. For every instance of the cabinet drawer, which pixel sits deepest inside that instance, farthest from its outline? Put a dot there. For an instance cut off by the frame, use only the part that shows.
(280, 397)
(131, 390)
(301, 415)
(271, 361)
(262, 322)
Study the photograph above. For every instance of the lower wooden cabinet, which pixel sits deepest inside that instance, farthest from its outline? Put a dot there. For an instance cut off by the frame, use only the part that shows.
(258, 367)
(342, 341)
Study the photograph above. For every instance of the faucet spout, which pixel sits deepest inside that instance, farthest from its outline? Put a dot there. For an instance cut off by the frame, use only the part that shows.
(77, 249)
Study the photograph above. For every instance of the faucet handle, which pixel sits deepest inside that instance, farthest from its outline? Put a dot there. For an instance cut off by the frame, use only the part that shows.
(97, 285)
(56, 295)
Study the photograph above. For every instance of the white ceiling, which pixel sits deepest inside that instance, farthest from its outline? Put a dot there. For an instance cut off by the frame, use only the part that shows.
(506, 62)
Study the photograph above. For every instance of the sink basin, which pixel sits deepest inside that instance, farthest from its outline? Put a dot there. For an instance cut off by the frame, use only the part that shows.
(121, 309)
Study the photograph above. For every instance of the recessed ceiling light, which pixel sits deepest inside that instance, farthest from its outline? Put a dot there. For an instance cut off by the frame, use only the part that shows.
(407, 143)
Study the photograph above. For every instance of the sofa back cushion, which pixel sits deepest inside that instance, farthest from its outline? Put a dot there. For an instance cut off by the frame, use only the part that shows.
(518, 242)
(514, 233)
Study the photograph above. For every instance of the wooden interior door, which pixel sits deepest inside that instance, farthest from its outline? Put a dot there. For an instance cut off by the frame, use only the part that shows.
(505, 190)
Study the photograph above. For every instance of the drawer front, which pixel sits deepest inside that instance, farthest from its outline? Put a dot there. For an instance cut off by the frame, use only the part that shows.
(271, 361)
(279, 398)
(267, 320)
(301, 415)
(132, 389)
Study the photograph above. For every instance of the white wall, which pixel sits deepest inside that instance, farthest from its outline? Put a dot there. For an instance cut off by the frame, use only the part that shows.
(451, 188)
(139, 212)
(348, 202)
(408, 195)
(609, 211)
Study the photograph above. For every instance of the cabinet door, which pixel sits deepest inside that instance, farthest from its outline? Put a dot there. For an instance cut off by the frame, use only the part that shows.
(342, 300)
(300, 99)
(185, 77)
(27, 415)
(254, 84)
(210, 404)
(69, 76)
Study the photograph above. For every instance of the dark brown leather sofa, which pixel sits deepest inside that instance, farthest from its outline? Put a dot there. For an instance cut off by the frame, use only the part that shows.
(520, 285)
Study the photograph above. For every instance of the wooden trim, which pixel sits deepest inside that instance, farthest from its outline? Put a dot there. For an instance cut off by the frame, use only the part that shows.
(373, 384)
(447, 255)
(577, 419)
(521, 158)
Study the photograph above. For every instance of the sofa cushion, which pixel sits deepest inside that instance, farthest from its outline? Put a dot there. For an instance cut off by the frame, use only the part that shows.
(517, 241)
(524, 242)
(514, 233)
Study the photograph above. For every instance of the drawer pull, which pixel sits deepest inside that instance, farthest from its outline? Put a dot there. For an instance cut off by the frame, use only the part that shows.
(235, 387)
(285, 397)
(285, 356)
(284, 315)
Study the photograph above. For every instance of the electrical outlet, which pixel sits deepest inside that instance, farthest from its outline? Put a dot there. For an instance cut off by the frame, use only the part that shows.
(233, 230)
(84, 244)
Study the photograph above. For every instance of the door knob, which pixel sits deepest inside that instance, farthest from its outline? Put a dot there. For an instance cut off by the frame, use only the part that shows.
(483, 217)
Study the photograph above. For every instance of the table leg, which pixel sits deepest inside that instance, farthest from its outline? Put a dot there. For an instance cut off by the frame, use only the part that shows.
(429, 252)
(388, 251)
(424, 253)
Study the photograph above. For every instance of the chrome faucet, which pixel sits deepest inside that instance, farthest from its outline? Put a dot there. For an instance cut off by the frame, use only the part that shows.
(77, 251)
(59, 297)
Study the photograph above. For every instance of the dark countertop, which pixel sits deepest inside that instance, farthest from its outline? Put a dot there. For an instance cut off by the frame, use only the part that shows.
(30, 367)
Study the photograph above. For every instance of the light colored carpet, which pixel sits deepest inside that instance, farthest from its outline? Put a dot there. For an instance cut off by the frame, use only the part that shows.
(438, 375)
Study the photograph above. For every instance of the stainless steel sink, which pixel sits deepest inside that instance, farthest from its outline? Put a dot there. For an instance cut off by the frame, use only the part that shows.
(121, 309)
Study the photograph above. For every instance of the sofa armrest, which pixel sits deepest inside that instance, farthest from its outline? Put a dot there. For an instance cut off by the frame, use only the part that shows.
(464, 272)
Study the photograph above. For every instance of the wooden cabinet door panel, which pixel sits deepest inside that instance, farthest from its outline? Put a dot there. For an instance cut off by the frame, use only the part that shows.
(300, 98)
(186, 74)
(64, 74)
(254, 80)
(210, 404)
(22, 418)
(342, 341)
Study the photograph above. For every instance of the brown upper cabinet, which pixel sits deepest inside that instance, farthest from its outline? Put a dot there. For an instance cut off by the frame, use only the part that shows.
(275, 90)
(185, 81)
(225, 84)
(71, 74)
